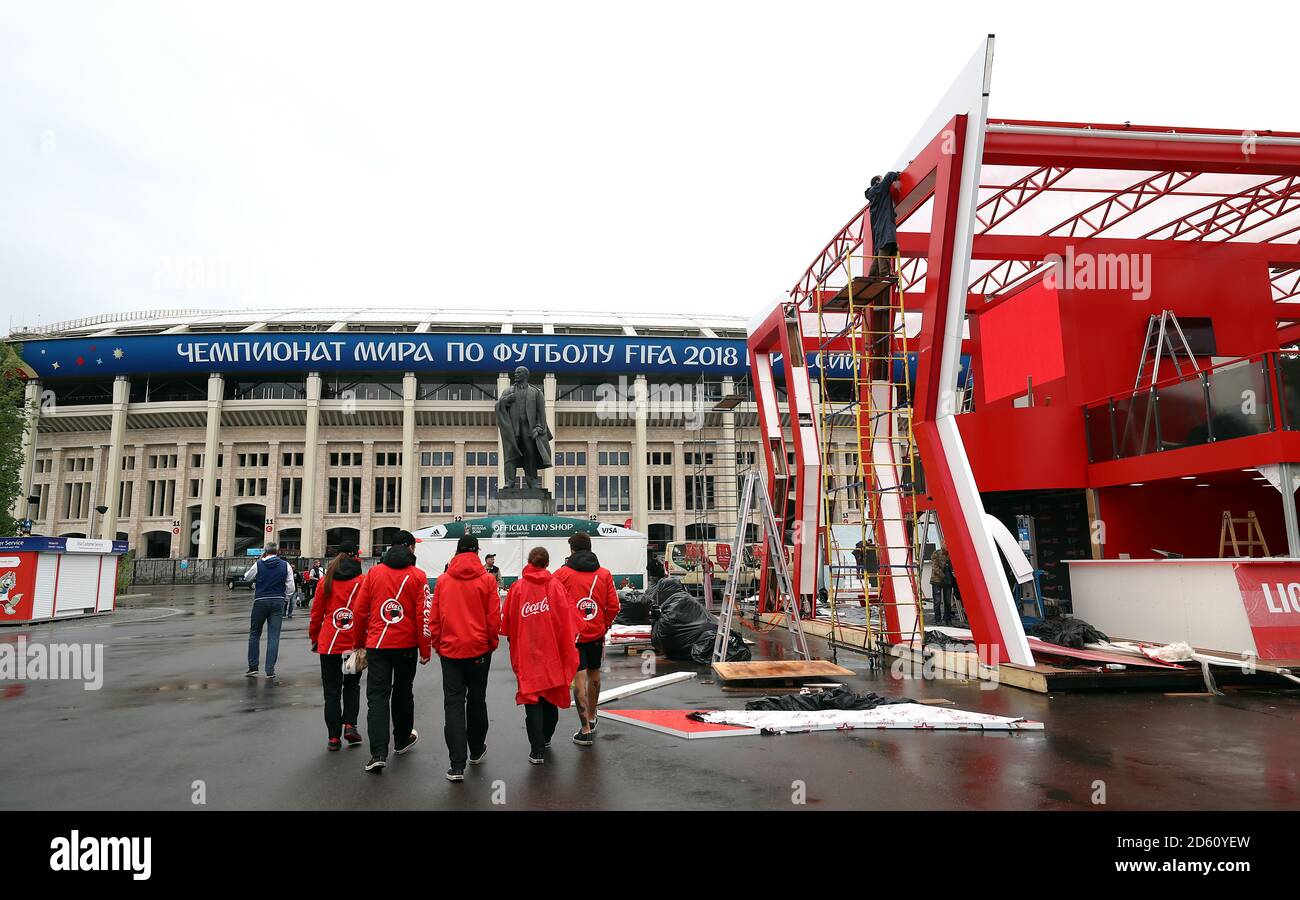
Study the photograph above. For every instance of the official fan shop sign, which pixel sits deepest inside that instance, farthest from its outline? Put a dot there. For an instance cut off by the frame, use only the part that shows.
(1271, 595)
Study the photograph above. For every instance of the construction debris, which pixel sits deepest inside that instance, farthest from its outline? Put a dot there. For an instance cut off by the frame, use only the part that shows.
(889, 716)
(637, 687)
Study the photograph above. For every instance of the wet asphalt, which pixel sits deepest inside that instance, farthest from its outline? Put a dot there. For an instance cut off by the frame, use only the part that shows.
(176, 719)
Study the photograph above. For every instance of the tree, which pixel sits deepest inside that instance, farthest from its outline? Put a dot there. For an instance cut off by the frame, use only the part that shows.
(14, 416)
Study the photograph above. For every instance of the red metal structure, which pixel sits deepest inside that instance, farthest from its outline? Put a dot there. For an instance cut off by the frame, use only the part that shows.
(1078, 233)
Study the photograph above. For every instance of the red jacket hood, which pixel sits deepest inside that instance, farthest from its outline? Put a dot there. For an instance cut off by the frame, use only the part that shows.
(465, 566)
(536, 574)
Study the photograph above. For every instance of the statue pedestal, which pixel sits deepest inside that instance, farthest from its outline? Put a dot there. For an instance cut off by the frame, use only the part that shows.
(517, 501)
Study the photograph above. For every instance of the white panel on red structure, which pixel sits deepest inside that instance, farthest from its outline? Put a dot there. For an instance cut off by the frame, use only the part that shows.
(47, 571)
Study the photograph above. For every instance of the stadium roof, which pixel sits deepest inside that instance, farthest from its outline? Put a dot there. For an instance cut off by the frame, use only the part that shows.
(417, 319)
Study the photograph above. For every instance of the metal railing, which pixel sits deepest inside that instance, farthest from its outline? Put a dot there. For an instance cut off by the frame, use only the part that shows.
(1230, 400)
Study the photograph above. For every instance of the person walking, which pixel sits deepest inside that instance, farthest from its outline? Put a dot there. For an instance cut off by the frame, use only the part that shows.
(464, 629)
(542, 627)
(272, 579)
(333, 635)
(941, 585)
(311, 581)
(393, 607)
(591, 590)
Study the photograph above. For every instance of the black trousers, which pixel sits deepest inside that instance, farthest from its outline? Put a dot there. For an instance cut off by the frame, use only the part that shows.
(342, 694)
(464, 706)
(389, 683)
(944, 603)
(540, 719)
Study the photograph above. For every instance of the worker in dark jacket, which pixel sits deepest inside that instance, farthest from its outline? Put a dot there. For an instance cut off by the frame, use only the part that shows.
(941, 585)
(884, 228)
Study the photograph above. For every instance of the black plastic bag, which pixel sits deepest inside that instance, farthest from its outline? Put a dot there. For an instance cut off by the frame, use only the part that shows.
(702, 650)
(682, 620)
(1067, 631)
(634, 609)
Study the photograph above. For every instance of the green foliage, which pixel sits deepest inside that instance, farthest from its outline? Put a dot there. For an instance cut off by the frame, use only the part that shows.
(14, 416)
(125, 571)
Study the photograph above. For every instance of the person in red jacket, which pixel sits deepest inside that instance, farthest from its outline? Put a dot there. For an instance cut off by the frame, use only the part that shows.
(591, 590)
(332, 635)
(542, 627)
(465, 627)
(393, 607)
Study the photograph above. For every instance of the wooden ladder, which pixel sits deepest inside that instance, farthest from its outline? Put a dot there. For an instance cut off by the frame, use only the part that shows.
(1254, 536)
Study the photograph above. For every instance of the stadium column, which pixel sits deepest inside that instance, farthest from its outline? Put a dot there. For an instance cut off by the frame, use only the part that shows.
(31, 429)
(458, 481)
(593, 473)
(208, 502)
(366, 537)
(310, 457)
(640, 392)
(226, 530)
(679, 489)
(113, 463)
(727, 467)
(548, 393)
(272, 491)
(179, 545)
(409, 458)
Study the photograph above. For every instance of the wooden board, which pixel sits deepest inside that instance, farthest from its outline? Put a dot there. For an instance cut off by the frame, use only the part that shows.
(780, 670)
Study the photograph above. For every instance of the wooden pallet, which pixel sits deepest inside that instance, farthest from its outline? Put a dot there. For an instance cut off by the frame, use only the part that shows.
(777, 672)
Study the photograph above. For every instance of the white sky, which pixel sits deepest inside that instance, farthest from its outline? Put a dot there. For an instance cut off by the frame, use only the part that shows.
(670, 156)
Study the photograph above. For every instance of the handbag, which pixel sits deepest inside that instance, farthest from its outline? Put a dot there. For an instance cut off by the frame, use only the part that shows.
(354, 661)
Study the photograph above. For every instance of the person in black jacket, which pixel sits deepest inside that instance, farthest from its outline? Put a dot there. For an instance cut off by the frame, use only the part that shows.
(884, 228)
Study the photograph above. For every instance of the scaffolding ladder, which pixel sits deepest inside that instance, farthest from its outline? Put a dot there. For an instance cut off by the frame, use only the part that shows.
(753, 499)
(866, 390)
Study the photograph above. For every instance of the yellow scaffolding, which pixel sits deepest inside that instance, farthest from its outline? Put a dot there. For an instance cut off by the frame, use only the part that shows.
(865, 386)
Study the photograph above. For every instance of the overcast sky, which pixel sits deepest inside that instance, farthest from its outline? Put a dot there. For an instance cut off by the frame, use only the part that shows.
(673, 156)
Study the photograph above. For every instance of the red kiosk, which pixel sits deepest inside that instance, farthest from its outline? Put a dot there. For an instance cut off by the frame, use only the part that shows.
(45, 578)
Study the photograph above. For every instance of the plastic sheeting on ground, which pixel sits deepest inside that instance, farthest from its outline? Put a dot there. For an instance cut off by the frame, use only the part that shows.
(894, 715)
(835, 698)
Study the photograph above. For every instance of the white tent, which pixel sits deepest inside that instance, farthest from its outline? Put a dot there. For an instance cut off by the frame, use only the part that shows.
(619, 549)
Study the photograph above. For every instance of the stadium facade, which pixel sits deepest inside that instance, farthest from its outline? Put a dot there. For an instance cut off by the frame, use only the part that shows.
(207, 433)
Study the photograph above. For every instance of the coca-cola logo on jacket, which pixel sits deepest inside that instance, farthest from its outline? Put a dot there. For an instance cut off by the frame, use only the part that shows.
(391, 611)
(588, 608)
(541, 606)
(343, 618)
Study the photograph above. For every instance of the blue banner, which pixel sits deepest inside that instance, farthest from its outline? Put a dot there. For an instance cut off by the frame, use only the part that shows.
(299, 352)
(59, 545)
(296, 353)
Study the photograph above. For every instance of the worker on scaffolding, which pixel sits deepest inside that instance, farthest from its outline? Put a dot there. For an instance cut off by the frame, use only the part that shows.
(884, 229)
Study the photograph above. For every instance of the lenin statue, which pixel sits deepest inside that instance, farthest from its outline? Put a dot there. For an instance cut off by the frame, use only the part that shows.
(525, 436)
